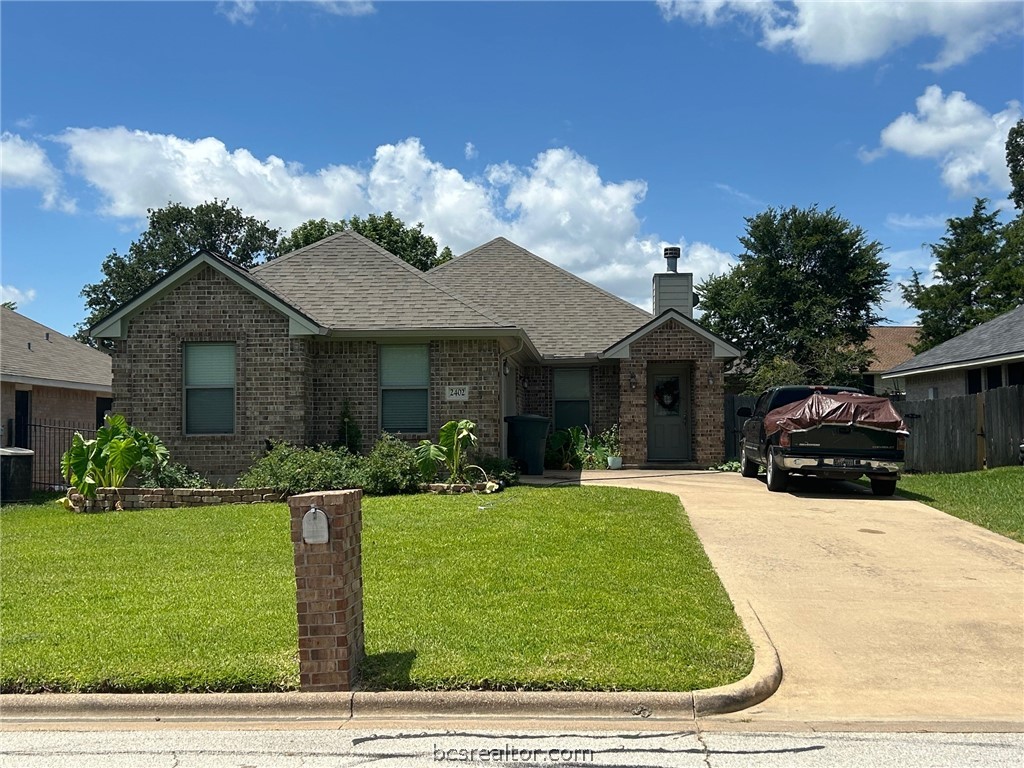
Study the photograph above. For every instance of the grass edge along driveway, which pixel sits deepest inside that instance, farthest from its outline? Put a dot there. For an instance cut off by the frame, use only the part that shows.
(558, 588)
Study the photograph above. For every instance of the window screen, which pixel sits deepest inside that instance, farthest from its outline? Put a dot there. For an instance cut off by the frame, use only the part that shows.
(572, 398)
(209, 389)
(404, 387)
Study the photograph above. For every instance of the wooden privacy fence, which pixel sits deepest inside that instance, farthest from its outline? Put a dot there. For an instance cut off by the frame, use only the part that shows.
(961, 434)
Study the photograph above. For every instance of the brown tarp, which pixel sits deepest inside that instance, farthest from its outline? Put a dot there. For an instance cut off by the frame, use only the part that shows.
(848, 409)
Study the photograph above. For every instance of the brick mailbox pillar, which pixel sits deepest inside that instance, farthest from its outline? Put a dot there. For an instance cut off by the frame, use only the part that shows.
(329, 587)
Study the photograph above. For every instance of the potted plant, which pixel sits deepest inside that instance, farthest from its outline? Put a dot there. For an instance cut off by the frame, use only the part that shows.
(610, 441)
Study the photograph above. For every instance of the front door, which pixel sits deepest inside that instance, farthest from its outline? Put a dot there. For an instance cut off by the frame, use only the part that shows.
(668, 413)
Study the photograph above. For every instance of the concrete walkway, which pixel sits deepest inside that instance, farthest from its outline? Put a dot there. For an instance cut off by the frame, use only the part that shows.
(882, 610)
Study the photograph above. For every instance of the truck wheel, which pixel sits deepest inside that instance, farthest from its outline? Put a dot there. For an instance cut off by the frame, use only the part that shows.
(777, 478)
(747, 467)
(883, 486)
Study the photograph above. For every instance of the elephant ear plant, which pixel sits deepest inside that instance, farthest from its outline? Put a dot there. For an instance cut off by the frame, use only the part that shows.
(451, 450)
(106, 460)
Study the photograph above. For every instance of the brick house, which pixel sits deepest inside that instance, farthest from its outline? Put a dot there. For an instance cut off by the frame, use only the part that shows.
(50, 386)
(986, 357)
(216, 359)
(890, 345)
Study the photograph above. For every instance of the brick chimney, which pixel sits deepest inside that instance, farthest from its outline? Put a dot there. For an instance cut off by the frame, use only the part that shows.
(673, 290)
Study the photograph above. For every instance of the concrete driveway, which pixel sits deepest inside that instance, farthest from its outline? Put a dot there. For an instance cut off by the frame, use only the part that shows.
(882, 610)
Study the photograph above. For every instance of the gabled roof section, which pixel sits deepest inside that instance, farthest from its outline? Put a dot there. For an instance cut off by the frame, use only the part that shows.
(114, 325)
(723, 350)
(998, 340)
(31, 353)
(350, 284)
(563, 315)
(890, 345)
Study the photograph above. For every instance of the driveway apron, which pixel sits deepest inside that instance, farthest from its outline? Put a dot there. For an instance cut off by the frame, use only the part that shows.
(880, 608)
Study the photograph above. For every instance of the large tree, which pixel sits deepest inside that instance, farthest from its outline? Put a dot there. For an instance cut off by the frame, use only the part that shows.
(388, 231)
(979, 275)
(1015, 163)
(801, 300)
(174, 234)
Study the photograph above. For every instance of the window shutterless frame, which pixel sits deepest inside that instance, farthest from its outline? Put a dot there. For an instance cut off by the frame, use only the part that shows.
(208, 388)
(404, 371)
(571, 389)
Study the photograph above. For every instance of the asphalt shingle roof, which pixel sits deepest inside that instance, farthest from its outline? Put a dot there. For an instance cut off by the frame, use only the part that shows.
(59, 358)
(1000, 337)
(346, 282)
(562, 314)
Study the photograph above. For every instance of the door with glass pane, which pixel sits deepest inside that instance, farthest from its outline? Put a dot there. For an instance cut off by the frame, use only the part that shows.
(668, 413)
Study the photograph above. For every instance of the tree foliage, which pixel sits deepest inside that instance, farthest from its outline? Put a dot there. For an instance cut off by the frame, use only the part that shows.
(174, 234)
(802, 298)
(1015, 162)
(388, 231)
(979, 275)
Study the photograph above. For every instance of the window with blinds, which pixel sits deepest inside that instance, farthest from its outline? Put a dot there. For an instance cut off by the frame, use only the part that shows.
(572, 397)
(404, 387)
(209, 388)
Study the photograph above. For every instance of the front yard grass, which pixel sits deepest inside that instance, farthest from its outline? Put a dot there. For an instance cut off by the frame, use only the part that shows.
(562, 588)
(991, 498)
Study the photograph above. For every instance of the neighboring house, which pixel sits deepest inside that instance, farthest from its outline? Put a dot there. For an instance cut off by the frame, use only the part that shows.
(216, 360)
(986, 357)
(50, 386)
(890, 346)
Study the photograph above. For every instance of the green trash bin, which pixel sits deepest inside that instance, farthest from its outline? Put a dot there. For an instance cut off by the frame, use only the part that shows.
(527, 435)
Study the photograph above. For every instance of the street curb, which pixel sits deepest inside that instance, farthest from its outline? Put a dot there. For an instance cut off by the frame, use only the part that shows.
(759, 684)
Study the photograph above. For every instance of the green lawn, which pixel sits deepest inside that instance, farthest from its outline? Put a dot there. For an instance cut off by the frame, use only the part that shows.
(562, 588)
(991, 498)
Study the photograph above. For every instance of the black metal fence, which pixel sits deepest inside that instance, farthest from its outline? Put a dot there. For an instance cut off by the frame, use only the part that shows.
(49, 442)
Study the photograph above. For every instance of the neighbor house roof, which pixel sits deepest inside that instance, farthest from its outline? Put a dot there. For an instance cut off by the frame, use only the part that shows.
(998, 340)
(890, 345)
(563, 315)
(31, 353)
(348, 283)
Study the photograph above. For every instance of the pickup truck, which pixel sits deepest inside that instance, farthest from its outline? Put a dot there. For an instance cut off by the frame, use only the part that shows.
(837, 433)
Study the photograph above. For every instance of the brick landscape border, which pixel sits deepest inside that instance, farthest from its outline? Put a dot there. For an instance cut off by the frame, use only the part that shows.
(150, 498)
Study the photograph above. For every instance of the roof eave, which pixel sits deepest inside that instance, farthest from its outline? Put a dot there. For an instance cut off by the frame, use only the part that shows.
(37, 381)
(959, 365)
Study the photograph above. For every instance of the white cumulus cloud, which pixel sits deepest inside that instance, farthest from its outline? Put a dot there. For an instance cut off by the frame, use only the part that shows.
(470, 151)
(841, 34)
(558, 206)
(238, 11)
(18, 296)
(24, 164)
(967, 141)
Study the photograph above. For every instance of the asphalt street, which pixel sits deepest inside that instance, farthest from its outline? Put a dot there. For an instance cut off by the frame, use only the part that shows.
(339, 748)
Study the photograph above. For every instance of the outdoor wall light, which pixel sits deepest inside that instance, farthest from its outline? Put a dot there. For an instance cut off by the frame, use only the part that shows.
(711, 378)
(632, 379)
(504, 367)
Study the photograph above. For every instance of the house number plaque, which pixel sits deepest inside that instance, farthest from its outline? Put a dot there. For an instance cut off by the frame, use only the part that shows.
(458, 392)
(315, 527)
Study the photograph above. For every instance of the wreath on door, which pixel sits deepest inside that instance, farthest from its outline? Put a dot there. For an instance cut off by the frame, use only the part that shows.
(666, 394)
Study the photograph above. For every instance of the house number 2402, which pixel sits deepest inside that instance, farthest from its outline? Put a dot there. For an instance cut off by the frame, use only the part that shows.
(460, 392)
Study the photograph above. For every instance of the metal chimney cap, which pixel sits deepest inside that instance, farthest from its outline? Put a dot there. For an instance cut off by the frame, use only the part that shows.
(672, 256)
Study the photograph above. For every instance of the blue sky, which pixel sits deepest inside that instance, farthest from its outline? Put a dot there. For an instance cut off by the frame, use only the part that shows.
(591, 133)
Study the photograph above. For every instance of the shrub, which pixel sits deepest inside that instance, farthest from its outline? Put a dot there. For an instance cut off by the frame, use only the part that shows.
(292, 470)
(503, 471)
(173, 475)
(389, 468)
